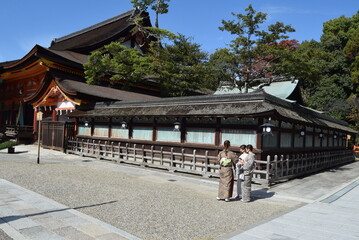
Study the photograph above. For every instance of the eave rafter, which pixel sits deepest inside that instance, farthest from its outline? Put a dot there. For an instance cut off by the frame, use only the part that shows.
(54, 65)
(31, 70)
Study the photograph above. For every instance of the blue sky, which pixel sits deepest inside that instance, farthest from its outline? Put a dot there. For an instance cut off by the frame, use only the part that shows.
(26, 23)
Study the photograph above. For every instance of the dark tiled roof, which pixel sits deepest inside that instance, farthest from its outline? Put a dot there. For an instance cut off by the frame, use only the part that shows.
(75, 87)
(7, 63)
(250, 104)
(66, 58)
(71, 56)
(91, 38)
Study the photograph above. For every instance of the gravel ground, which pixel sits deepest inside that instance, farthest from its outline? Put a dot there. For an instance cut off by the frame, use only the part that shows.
(146, 203)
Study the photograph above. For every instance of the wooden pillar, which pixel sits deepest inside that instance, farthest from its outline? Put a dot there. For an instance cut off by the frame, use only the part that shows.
(154, 129)
(54, 115)
(259, 134)
(183, 130)
(92, 125)
(35, 120)
(109, 127)
(75, 127)
(217, 140)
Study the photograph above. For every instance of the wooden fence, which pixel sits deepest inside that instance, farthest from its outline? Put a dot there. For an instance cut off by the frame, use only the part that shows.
(274, 169)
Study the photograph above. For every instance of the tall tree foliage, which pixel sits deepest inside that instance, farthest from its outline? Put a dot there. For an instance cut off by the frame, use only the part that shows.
(338, 64)
(180, 67)
(117, 64)
(254, 50)
(159, 6)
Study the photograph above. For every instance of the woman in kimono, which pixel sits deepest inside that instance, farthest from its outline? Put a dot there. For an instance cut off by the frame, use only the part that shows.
(248, 166)
(240, 175)
(227, 159)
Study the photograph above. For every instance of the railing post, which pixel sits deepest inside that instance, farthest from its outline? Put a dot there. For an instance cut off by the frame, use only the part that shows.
(182, 164)
(295, 164)
(268, 170)
(161, 159)
(87, 146)
(76, 146)
(194, 159)
(134, 152)
(152, 154)
(206, 162)
(171, 157)
(112, 154)
(119, 150)
(281, 165)
(287, 164)
(93, 147)
(126, 151)
(302, 162)
(82, 146)
(276, 167)
(99, 149)
(143, 154)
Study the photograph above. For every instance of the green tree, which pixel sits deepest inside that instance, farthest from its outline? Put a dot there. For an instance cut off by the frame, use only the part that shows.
(180, 67)
(117, 64)
(254, 47)
(224, 66)
(337, 64)
(159, 6)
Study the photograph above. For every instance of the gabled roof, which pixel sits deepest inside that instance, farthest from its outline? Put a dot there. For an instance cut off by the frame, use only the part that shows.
(91, 38)
(80, 88)
(253, 104)
(66, 58)
(284, 88)
(75, 87)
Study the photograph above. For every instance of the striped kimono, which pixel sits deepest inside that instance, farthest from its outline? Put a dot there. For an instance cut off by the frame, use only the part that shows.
(226, 175)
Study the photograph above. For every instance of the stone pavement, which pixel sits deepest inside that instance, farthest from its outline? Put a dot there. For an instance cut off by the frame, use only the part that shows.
(335, 216)
(27, 215)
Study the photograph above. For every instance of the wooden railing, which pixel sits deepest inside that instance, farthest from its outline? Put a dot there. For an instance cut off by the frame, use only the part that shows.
(137, 154)
(269, 171)
(283, 167)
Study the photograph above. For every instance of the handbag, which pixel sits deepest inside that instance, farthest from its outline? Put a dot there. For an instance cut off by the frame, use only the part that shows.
(241, 176)
(226, 162)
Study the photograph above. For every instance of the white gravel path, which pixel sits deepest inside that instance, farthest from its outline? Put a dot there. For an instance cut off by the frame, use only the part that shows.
(146, 203)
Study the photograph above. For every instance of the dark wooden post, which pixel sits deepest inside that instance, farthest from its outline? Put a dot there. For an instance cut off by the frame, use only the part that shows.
(217, 140)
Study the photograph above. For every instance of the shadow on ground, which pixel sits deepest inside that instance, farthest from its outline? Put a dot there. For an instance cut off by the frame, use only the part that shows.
(17, 217)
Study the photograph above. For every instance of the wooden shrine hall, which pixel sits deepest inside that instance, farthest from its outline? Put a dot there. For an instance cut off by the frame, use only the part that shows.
(51, 80)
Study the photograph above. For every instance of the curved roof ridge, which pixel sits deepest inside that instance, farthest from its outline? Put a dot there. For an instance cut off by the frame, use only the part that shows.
(90, 28)
(187, 100)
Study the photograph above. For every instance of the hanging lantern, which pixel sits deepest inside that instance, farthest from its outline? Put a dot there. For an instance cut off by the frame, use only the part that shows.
(302, 132)
(267, 128)
(124, 125)
(177, 126)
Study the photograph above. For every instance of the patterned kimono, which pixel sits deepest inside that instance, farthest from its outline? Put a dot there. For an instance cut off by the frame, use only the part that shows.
(226, 175)
(248, 167)
(240, 171)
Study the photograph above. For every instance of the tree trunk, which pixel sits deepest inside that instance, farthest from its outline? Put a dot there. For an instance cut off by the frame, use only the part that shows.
(156, 23)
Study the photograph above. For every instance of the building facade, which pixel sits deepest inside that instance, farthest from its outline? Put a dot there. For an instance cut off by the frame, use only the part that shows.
(51, 80)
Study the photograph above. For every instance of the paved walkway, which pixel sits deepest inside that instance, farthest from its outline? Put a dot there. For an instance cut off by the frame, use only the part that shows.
(332, 217)
(27, 215)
